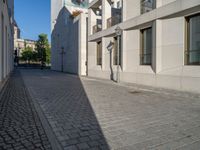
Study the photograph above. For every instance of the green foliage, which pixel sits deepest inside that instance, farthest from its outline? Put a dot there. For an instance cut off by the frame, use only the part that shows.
(29, 55)
(48, 55)
(43, 49)
(42, 52)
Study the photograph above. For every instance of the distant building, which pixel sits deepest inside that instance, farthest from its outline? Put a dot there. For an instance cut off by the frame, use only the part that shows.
(6, 37)
(69, 36)
(23, 43)
(19, 43)
(17, 32)
(17, 36)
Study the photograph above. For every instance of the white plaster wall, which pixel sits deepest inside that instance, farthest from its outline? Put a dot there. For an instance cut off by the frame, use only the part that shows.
(131, 50)
(174, 73)
(56, 6)
(83, 29)
(131, 8)
(6, 52)
(106, 13)
(54, 55)
(163, 2)
(71, 34)
(172, 43)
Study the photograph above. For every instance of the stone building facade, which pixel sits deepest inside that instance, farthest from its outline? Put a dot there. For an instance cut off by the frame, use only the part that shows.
(6, 38)
(19, 43)
(69, 36)
(159, 45)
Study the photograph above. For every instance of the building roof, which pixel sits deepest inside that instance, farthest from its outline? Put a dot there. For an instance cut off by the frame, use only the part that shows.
(77, 3)
(15, 24)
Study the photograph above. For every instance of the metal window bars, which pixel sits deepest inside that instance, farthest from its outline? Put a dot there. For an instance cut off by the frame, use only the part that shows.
(113, 20)
(146, 59)
(192, 57)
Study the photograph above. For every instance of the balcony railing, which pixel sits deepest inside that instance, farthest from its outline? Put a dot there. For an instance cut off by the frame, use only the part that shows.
(76, 3)
(147, 6)
(192, 57)
(146, 59)
(97, 28)
(113, 21)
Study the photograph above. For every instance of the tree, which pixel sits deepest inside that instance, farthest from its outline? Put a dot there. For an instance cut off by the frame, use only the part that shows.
(28, 55)
(48, 55)
(43, 49)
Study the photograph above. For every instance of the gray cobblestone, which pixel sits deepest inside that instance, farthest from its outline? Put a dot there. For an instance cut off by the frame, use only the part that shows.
(19, 122)
(193, 146)
(83, 146)
(105, 115)
(73, 147)
(84, 139)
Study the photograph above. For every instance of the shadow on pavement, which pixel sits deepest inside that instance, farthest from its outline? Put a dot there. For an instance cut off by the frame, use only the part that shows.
(20, 126)
(31, 66)
(67, 108)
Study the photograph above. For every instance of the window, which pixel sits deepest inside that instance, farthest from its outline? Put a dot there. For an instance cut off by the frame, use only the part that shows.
(193, 40)
(6, 48)
(2, 45)
(147, 5)
(119, 4)
(115, 51)
(99, 53)
(146, 46)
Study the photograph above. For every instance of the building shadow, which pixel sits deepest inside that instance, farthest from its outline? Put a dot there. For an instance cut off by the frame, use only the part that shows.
(65, 43)
(68, 109)
(110, 49)
(31, 66)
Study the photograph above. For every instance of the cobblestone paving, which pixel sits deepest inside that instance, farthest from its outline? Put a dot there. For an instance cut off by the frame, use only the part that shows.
(89, 113)
(20, 127)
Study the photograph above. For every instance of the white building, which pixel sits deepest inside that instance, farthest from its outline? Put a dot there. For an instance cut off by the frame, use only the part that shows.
(69, 36)
(17, 35)
(21, 44)
(159, 45)
(6, 38)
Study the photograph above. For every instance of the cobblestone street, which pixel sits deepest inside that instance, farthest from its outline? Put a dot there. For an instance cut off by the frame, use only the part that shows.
(84, 113)
(20, 126)
(95, 114)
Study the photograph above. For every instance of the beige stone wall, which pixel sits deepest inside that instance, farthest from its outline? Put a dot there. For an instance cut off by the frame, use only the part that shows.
(168, 69)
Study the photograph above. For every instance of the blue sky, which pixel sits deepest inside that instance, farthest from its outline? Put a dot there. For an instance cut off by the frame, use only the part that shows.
(33, 17)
